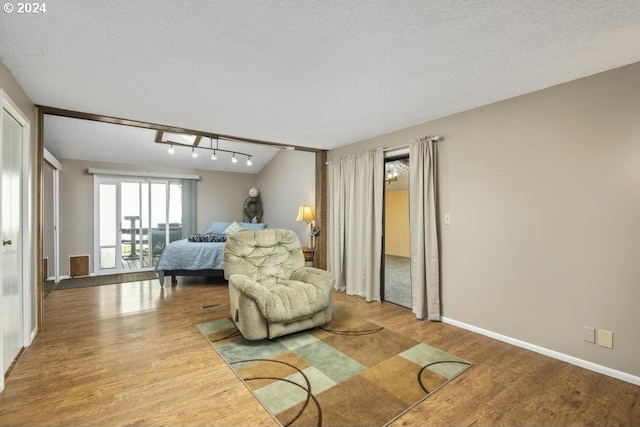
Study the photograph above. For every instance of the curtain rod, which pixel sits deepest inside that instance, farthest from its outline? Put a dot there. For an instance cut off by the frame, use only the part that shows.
(433, 138)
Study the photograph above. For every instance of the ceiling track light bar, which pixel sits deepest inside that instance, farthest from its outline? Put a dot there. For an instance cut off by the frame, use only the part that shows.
(215, 150)
(233, 152)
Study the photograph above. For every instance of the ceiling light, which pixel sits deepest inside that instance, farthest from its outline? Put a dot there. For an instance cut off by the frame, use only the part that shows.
(392, 175)
(215, 148)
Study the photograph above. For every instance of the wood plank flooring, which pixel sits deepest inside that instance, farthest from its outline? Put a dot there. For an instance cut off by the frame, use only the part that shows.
(129, 354)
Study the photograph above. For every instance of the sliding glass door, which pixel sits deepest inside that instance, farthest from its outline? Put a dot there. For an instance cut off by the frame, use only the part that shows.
(134, 219)
(165, 223)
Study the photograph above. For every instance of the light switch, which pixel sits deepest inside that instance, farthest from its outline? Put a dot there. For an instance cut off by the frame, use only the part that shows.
(447, 219)
(589, 334)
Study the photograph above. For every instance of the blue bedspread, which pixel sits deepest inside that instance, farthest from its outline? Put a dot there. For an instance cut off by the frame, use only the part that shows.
(186, 255)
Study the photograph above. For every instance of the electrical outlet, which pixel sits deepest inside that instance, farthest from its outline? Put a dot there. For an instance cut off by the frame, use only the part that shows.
(589, 334)
(605, 338)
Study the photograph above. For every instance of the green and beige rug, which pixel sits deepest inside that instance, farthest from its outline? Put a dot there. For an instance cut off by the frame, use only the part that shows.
(350, 372)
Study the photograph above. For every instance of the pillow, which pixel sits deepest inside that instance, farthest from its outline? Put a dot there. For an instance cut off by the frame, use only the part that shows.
(208, 238)
(253, 226)
(217, 227)
(233, 228)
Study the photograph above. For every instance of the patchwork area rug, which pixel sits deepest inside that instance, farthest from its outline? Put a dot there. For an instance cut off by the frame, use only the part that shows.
(350, 372)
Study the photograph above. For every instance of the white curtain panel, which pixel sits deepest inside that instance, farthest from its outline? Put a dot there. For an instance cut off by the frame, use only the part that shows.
(425, 269)
(335, 223)
(355, 222)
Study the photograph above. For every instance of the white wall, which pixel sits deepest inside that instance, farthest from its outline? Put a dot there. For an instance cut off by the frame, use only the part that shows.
(544, 193)
(287, 182)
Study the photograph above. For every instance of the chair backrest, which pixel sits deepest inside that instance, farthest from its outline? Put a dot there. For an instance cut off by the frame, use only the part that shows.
(261, 254)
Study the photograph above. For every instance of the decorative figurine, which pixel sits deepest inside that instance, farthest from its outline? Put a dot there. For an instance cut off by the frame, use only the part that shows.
(253, 207)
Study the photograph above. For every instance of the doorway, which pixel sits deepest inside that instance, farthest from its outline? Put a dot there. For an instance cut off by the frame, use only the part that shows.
(50, 222)
(16, 304)
(135, 219)
(396, 286)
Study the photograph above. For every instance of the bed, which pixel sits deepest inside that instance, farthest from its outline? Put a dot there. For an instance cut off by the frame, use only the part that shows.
(202, 257)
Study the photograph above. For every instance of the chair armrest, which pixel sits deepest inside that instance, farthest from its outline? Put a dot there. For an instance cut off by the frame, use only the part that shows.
(250, 288)
(314, 276)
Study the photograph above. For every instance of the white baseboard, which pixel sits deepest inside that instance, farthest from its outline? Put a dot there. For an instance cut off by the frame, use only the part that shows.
(547, 352)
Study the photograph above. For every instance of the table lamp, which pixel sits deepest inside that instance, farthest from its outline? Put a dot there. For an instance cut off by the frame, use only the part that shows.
(306, 214)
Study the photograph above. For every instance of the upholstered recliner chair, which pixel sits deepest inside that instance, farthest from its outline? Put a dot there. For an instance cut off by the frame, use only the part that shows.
(271, 291)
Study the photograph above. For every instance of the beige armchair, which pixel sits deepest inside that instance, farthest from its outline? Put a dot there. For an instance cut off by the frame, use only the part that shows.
(271, 292)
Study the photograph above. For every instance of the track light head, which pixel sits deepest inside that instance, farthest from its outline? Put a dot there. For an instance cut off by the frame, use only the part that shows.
(171, 150)
(234, 159)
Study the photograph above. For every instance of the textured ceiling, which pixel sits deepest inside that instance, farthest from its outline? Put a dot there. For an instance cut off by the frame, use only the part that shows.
(320, 73)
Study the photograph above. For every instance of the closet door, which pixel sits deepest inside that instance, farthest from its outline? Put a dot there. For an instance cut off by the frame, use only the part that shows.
(11, 225)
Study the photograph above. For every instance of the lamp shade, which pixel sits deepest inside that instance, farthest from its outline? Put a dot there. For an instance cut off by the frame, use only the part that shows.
(305, 214)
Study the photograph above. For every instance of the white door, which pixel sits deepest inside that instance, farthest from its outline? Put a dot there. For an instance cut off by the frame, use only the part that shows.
(50, 215)
(11, 223)
(107, 228)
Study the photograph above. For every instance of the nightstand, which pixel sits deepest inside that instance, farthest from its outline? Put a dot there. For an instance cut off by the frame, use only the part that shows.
(308, 256)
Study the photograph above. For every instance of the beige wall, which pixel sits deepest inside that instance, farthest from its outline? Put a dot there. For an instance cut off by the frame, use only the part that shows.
(396, 223)
(76, 213)
(12, 88)
(220, 197)
(544, 194)
(287, 182)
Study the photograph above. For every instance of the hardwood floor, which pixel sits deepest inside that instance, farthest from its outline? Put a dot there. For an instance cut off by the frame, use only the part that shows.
(129, 354)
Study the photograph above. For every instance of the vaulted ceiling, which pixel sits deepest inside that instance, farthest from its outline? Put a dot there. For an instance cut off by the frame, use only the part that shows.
(319, 73)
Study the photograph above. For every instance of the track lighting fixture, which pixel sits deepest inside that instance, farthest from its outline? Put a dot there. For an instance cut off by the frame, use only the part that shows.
(193, 141)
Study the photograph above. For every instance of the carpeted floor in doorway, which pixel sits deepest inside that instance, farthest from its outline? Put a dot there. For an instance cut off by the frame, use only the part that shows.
(397, 280)
(350, 372)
